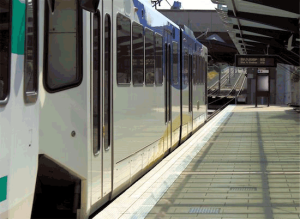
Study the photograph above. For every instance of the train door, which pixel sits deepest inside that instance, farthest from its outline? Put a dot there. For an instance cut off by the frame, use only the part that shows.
(107, 97)
(168, 105)
(101, 79)
(96, 100)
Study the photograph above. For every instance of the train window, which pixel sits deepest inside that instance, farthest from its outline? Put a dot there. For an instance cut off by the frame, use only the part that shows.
(106, 85)
(30, 68)
(5, 40)
(123, 49)
(205, 72)
(201, 70)
(175, 63)
(63, 46)
(186, 68)
(198, 69)
(149, 56)
(96, 83)
(158, 60)
(194, 69)
(137, 53)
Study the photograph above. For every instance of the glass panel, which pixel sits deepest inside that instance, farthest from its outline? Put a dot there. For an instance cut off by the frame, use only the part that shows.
(205, 72)
(194, 70)
(123, 49)
(201, 69)
(5, 24)
(137, 54)
(63, 45)
(198, 70)
(158, 60)
(149, 59)
(186, 68)
(30, 77)
(175, 63)
(263, 83)
(106, 85)
(96, 83)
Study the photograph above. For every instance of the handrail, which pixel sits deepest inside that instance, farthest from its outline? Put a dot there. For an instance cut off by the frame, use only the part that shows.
(221, 78)
(222, 82)
(230, 90)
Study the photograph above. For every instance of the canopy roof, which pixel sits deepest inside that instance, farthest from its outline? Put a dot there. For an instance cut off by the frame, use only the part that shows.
(263, 27)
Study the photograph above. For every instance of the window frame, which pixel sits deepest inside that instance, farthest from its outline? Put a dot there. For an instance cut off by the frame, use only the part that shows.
(79, 55)
(8, 79)
(146, 29)
(143, 37)
(130, 76)
(31, 96)
(156, 80)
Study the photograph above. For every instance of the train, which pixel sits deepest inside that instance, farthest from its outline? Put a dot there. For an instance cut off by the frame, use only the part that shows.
(93, 94)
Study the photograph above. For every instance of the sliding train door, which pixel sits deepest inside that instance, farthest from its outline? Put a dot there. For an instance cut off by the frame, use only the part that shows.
(167, 87)
(101, 101)
(107, 97)
(96, 100)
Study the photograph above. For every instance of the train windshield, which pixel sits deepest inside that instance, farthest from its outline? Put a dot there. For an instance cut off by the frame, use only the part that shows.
(5, 24)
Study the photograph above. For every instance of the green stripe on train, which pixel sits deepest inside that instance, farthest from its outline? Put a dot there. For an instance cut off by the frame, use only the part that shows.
(18, 27)
(3, 188)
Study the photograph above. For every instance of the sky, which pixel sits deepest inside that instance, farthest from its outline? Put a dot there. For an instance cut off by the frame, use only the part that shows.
(189, 4)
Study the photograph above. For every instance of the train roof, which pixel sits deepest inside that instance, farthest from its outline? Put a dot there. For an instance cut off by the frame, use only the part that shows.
(188, 31)
(148, 6)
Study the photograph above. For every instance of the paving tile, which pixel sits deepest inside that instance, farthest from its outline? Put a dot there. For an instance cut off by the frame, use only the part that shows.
(234, 210)
(244, 143)
(234, 216)
(281, 201)
(156, 216)
(285, 210)
(202, 216)
(286, 216)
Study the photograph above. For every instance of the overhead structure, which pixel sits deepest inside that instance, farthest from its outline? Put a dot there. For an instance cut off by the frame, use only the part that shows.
(265, 27)
(209, 30)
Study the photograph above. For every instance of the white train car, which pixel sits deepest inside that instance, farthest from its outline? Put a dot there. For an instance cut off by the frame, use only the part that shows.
(19, 109)
(92, 95)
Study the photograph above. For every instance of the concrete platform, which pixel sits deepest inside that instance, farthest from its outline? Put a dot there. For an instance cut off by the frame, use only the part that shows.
(244, 163)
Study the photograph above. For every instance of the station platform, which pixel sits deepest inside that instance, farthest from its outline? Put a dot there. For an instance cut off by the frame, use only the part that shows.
(244, 163)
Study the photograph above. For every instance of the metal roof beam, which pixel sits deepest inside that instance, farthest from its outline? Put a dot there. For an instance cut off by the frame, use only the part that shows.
(291, 5)
(277, 34)
(265, 40)
(289, 24)
(239, 24)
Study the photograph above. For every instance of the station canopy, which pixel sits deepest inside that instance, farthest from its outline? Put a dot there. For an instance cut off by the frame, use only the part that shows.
(267, 27)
